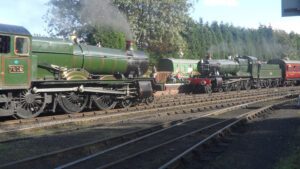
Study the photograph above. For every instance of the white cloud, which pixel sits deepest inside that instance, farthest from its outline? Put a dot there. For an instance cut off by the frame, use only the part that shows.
(229, 3)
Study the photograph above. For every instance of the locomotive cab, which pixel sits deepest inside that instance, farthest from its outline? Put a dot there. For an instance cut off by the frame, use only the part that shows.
(17, 62)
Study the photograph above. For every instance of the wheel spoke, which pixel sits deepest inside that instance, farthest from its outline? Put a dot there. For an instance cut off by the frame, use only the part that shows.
(72, 102)
(104, 102)
(30, 105)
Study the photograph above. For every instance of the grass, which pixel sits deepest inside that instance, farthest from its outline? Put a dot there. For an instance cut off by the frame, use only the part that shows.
(291, 161)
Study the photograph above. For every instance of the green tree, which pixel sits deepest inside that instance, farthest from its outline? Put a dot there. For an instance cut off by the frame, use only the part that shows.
(157, 25)
(106, 37)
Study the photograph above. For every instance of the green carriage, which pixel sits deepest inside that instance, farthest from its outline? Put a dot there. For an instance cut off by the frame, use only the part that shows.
(184, 66)
(165, 67)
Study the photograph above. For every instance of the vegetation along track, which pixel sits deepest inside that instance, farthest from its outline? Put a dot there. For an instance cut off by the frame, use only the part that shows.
(130, 146)
(190, 104)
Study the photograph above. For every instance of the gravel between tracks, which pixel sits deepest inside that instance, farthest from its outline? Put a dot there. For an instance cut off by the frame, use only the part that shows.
(47, 143)
(260, 144)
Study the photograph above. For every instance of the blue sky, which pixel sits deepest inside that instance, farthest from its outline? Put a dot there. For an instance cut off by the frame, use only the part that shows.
(27, 13)
(244, 13)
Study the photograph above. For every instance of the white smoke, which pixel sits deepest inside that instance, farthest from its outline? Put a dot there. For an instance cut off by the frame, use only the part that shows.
(103, 13)
(276, 50)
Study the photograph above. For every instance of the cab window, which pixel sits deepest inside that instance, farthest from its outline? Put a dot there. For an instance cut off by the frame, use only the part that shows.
(4, 44)
(22, 45)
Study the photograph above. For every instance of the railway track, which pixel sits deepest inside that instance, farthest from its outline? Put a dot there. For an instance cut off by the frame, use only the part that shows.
(194, 104)
(101, 147)
(158, 151)
(185, 159)
(15, 134)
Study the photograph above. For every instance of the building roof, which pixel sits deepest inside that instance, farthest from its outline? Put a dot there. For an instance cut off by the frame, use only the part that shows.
(189, 61)
(283, 61)
(291, 61)
(253, 58)
(12, 29)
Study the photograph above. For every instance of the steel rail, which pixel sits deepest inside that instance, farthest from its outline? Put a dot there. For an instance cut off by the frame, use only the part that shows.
(247, 116)
(41, 122)
(92, 144)
(83, 160)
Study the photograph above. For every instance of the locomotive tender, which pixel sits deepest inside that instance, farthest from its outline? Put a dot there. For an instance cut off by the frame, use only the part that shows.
(244, 73)
(40, 73)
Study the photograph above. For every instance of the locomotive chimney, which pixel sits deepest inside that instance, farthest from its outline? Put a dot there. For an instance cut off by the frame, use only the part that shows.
(129, 45)
(208, 56)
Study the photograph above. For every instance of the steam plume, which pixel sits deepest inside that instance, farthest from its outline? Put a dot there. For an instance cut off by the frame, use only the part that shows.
(103, 13)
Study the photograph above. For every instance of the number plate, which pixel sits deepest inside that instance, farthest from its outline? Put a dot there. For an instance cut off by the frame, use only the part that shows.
(16, 69)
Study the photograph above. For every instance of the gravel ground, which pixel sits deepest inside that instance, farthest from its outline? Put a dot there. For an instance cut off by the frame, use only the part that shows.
(259, 145)
(54, 141)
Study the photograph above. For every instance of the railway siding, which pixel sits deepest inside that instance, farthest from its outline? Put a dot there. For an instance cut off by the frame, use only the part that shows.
(130, 135)
(163, 105)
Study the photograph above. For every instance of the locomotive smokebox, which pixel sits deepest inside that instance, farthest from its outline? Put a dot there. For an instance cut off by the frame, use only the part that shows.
(129, 45)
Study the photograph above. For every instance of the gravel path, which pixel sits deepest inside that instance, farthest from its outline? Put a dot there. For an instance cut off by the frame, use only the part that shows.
(258, 145)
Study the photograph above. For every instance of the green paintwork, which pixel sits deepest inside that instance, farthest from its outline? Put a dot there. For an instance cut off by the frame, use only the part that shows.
(244, 67)
(16, 80)
(266, 71)
(52, 51)
(228, 66)
(177, 65)
(101, 60)
(34, 65)
(65, 54)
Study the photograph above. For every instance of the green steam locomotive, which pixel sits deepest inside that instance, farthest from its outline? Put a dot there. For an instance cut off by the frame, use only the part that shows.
(41, 74)
(240, 73)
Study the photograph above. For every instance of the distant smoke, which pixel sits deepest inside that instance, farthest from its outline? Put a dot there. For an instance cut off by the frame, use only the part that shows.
(235, 49)
(277, 50)
(103, 13)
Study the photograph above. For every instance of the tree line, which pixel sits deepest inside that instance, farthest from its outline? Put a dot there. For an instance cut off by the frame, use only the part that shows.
(163, 28)
(224, 40)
